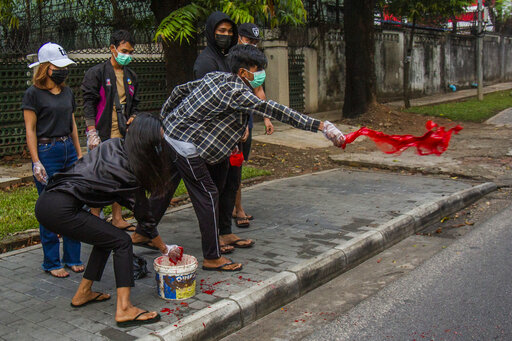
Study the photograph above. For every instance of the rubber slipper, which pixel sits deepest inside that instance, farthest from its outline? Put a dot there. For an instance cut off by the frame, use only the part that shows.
(241, 246)
(50, 272)
(136, 322)
(70, 267)
(229, 250)
(249, 217)
(94, 300)
(220, 267)
(146, 245)
(238, 222)
(129, 228)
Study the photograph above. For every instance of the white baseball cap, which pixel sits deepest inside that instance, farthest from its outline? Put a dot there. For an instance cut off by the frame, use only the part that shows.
(54, 54)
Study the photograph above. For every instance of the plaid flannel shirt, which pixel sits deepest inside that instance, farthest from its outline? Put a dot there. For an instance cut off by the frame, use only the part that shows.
(212, 113)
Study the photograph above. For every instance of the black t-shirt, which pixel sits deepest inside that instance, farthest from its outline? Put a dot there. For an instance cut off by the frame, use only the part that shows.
(54, 112)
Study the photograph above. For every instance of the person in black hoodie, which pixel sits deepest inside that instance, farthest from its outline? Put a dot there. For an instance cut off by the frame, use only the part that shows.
(221, 34)
(110, 102)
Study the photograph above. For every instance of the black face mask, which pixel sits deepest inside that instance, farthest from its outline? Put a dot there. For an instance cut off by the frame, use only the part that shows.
(59, 76)
(223, 41)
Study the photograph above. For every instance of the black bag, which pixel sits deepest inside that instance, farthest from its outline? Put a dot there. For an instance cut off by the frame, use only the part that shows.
(121, 116)
(140, 267)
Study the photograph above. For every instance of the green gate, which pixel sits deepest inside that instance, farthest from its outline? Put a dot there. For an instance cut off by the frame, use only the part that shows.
(296, 79)
(15, 78)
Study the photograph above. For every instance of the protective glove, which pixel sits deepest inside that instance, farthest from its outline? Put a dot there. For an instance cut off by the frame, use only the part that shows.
(333, 134)
(174, 252)
(93, 140)
(40, 172)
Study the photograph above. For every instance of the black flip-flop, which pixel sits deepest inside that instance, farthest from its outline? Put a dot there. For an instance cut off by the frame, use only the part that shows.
(220, 267)
(129, 228)
(242, 246)
(146, 246)
(136, 322)
(94, 300)
(241, 225)
(226, 252)
(249, 217)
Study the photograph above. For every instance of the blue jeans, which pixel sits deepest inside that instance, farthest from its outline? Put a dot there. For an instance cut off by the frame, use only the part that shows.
(55, 157)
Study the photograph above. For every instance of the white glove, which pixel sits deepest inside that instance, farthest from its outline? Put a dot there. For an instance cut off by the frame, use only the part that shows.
(174, 252)
(334, 134)
(40, 172)
(93, 140)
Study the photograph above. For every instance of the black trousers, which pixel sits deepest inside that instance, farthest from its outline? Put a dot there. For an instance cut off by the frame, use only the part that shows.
(62, 213)
(202, 182)
(228, 198)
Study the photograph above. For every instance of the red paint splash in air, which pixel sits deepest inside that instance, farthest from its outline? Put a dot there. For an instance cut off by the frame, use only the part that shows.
(434, 141)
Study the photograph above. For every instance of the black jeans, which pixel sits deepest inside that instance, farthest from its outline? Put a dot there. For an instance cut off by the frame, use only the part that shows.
(62, 213)
(228, 198)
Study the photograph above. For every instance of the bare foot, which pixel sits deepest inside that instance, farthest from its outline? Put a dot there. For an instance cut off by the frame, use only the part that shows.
(122, 224)
(233, 239)
(131, 312)
(224, 249)
(77, 268)
(240, 213)
(59, 273)
(81, 298)
(138, 238)
(214, 263)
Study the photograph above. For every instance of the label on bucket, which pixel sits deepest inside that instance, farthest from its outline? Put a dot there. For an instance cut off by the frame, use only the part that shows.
(176, 287)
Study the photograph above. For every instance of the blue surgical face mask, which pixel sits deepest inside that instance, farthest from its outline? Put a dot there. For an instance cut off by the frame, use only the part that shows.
(123, 59)
(259, 78)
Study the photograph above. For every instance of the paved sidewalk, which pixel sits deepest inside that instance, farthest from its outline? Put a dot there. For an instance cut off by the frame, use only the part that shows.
(452, 96)
(303, 226)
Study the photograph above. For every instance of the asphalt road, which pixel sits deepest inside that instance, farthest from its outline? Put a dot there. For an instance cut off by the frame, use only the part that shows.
(421, 287)
(462, 293)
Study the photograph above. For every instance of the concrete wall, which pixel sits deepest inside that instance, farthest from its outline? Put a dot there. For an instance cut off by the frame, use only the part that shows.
(330, 47)
(438, 60)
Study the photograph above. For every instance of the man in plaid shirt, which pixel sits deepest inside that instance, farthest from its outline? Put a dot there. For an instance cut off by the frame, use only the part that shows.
(203, 121)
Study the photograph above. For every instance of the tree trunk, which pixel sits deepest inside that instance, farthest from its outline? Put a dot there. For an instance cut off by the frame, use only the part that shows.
(407, 65)
(360, 91)
(179, 59)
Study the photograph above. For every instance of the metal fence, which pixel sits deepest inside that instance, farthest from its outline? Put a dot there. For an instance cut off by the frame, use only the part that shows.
(15, 79)
(83, 28)
(296, 79)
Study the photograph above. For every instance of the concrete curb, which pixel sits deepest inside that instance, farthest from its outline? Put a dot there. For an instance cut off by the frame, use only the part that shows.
(6, 182)
(238, 310)
(401, 167)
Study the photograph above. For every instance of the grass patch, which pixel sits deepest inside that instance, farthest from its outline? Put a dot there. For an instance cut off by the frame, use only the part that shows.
(17, 205)
(17, 210)
(249, 172)
(469, 110)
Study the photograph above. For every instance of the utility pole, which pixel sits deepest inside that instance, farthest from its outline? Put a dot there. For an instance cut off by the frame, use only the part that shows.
(479, 53)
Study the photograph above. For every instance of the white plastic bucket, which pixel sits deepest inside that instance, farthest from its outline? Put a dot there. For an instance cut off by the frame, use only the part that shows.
(176, 282)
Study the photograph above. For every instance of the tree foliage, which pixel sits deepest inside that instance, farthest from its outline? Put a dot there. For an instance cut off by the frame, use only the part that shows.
(421, 10)
(500, 13)
(425, 9)
(181, 24)
(7, 16)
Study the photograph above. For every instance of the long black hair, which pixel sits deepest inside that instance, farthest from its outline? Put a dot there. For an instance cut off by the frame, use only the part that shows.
(148, 153)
